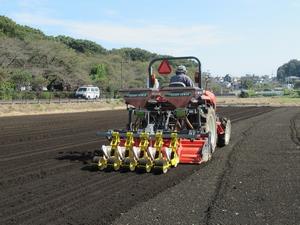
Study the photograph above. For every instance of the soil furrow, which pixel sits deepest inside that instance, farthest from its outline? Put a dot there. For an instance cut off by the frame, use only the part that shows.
(67, 197)
(46, 150)
(46, 176)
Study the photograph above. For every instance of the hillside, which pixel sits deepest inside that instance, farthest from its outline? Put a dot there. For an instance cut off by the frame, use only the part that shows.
(29, 57)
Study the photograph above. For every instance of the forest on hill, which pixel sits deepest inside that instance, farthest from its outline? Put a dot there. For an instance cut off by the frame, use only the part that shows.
(28, 57)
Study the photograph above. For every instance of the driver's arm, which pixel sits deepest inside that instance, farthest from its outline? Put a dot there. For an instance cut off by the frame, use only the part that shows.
(189, 82)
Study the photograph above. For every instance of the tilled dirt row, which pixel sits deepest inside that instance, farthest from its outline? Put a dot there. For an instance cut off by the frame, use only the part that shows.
(260, 184)
(45, 175)
(254, 180)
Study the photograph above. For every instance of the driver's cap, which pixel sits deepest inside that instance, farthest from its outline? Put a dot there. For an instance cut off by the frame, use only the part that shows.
(181, 68)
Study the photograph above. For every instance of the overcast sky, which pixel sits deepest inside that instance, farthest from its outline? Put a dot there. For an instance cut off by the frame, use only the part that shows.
(230, 36)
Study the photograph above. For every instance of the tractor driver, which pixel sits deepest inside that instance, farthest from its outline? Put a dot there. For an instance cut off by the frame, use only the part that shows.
(181, 77)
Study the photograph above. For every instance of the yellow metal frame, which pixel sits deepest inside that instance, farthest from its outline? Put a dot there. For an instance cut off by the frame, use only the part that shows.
(129, 162)
(159, 142)
(114, 159)
(144, 143)
(129, 144)
(174, 144)
(115, 142)
(144, 160)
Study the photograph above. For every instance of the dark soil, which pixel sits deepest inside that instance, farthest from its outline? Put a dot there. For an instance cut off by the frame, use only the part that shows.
(46, 176)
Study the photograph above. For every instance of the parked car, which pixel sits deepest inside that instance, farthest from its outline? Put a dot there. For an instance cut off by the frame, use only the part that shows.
(88, 92)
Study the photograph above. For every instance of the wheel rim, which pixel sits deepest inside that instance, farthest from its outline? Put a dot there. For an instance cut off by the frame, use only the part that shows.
(116, 166)
(131, 167)
(102, 164)
(148, 168)
(176, 164)
(165, 170)
(212, 129)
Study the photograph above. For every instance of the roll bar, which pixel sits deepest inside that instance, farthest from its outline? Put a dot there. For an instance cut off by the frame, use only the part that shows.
(174, 58)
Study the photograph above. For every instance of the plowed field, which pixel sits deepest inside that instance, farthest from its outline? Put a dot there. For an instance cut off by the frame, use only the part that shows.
(46, 176)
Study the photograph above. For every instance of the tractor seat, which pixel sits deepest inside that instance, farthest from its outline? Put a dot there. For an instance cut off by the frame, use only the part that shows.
(177, 84)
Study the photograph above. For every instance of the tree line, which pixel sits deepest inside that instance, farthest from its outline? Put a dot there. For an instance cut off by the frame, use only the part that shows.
(28, 57)
(290, 69)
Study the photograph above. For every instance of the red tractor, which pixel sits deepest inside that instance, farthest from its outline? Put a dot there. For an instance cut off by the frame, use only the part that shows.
(166, 126)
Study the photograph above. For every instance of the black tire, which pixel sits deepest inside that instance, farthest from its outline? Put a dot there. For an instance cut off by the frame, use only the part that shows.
(160, 166)
(96, 159)
(113, 164)
(128, 164)
(144, 166)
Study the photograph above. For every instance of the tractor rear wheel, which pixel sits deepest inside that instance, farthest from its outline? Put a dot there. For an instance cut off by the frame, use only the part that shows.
(211, 127)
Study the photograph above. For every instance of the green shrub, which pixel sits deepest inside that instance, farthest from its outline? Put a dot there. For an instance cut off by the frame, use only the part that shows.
(6, 89)
(22, 95)
(63, 94)
(244, 94)
(247, 94)
(5, 95)
(29, 95)
(291, 93)
(252, 93)
(287, 91)
(17, 95)
(45, 95)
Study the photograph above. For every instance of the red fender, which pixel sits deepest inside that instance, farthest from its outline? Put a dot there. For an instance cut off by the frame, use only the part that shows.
(210, 98)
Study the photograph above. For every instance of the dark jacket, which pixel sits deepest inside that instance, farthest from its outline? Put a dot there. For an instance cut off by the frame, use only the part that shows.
(182, 78)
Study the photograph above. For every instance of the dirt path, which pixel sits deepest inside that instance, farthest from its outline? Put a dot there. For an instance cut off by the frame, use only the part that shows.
(45, 177)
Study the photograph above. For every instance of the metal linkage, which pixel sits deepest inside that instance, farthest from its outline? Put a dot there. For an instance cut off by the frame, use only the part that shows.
(125, 155)
(114, 161)
(130, 157)
(111, 158)
(165, 157)
(173, 147)
(145, 162)
(161, 164)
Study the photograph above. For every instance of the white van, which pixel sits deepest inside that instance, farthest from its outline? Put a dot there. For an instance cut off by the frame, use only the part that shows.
(88, 92)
